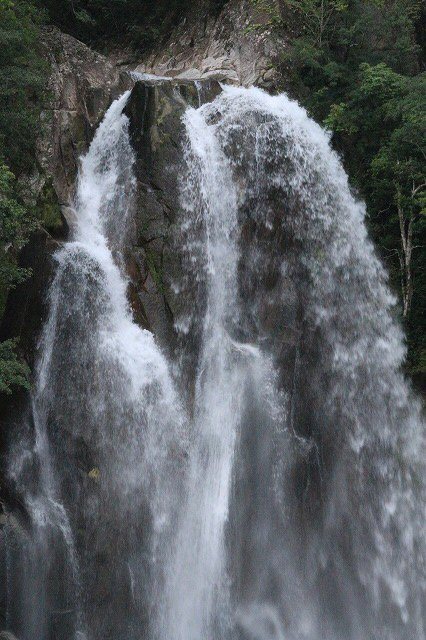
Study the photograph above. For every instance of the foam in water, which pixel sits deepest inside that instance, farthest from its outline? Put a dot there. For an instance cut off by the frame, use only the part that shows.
(101, 380)
(286, 501)
(303, 514)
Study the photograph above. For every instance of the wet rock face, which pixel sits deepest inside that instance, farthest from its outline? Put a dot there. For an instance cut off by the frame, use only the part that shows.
(155, 112)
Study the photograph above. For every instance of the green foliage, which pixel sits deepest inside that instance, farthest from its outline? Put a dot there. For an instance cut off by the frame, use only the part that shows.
(15, 226)
(22, 80)
(48, 210)
(319, 18)
(334, 37)
(13, 372)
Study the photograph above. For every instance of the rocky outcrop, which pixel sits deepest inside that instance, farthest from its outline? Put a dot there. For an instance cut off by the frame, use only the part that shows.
(81, 87)
(240, 46)
(155, 111)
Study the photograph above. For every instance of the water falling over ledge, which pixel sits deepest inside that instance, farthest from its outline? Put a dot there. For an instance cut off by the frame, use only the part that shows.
(262, 478)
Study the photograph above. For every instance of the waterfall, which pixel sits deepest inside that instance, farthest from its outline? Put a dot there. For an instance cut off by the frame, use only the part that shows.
(303, 514)
(264, 480)
(101, 383)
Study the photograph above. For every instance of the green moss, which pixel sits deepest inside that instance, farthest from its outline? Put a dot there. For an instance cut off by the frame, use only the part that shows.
(14, 372)
(48, 209)
(154, 263)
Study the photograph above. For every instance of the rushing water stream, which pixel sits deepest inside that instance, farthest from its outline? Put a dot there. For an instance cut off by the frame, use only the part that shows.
(282, 497)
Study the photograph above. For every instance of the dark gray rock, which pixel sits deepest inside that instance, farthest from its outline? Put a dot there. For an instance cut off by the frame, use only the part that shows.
(155, 110)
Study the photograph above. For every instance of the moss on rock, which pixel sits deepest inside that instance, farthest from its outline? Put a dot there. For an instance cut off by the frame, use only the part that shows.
(48, 208)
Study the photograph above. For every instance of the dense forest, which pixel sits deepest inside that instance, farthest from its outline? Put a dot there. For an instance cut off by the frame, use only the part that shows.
(357, 66)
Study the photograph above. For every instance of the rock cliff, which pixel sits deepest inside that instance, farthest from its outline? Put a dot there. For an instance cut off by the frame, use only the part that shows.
(239, 46)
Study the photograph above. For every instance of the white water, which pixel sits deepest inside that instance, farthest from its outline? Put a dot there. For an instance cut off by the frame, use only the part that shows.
(249, 149)
(103, 379)
(287, 501)
(197, 570)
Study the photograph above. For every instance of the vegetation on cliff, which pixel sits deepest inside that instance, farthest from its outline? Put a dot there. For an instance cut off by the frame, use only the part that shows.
(138, 23)
(15, 225)
(22, 80)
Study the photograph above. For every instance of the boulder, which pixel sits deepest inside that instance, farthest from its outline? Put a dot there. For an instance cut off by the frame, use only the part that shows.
(155, 111)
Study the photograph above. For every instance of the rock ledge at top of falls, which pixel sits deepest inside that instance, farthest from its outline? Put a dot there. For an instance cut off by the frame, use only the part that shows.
(238, 47)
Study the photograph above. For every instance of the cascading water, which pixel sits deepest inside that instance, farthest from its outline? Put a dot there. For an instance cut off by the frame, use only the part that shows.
(281, 497)
(304, 515)
(101, 383)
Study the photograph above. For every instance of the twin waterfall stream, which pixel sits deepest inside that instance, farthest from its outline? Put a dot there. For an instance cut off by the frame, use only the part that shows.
(265, 479)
